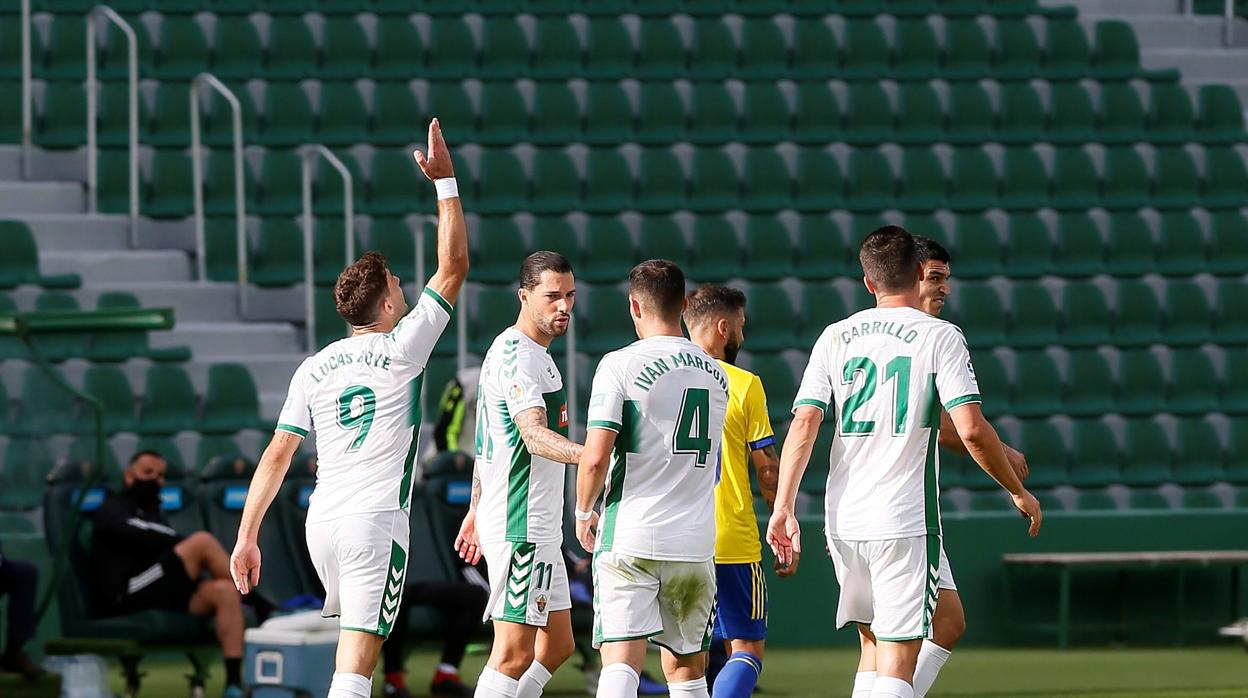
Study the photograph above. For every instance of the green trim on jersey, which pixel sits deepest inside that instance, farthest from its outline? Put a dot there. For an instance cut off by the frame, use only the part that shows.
(518, 474)
(931, 496)
(297, 431)
(519, 583)
(446, 305)
(604, 424)
(625, 443)
(409, 464)
(823, 406)
(931, 592)
(957, 402)
(392, 596)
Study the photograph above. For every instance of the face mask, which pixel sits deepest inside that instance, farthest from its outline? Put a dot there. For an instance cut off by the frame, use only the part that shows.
(145, 492)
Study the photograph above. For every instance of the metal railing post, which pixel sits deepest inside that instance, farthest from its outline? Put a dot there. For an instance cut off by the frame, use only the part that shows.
(310, 154)
(1228, 22)
(132, 114)
(197, 186)
(28, 96)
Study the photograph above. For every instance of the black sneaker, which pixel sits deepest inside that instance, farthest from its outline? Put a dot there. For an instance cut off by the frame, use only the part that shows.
(391, 691)
(454, 688)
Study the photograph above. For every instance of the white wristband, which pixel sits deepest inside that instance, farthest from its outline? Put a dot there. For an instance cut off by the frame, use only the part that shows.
(447, 188)
(583, 515)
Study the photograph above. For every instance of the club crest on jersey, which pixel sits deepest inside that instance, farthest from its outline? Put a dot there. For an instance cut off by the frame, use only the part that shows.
(563, 415)
(971, 367)
(515, 391)
(540, 602)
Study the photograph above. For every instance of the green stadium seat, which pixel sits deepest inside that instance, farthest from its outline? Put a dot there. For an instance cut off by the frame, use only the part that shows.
(870, 184)
(497, 250)
(771, 324)
(45, 408)
(122, 346)
(713, 184)
(1085, 315)
(394, 114)
(231, 403)
(764, 52)
(1033, 316)
(1221, 115)
(11, 50)
(451, 52)
(495, 307)
(613, 251)
(868, 115)
(1131, 248)
(501, 183)
(554, 182)
(288, 119)
(64, 54)
(608, 49)
(973, 180)
(1198, 452)
(713, 54)
(556, 234)
(1046, 454)
(292, 50)
(169, 402)
(1121, 117)
(327, 187)
(237, 52)
(661, 52)
(994, 383)
(278, 258)
(817, 116)
(1193, 385)
(1079, 250)
(661, 186)
(1147, 454)
(979, 250)
(767, 186)
(20, 262)
(713, 116)
(1024, 182)
(1234, 390)
(1017, 55)
(1030, 251)
(59, 347)
(26, 465)
(716, 251)
(1201, 499)
(1137, 315)
(821, 250)
(214, 447)
(765, 118)
(1231, 323)
(63, 115)
(342, 118)
(603, 323)
(1236, 462)
(504, 50)
(1095, 501)
(219, 195)
(329, 324)
(395, 185)
(608, 114)
(1117, 52)
(660, 119)
(609, 181)
(1182, 249)
(1125, 184)
(1176, 183)
(1170, 114)
(967, 53)
(219, 126)
(928, 225)
(345, 51)
(1089, 384)
(866, 50)
(1225, 179)
(920, 118)
(916, 52)
(1094, 455)
(1228, 252)
(1188, 317)
(169, 186)
(1037, 386)
(995, 502)
(10, 110)
(662, 238)
(778, 381)
(769, 252)
(821, 305)
(1141, 383)
(395, 240)
(816, 52)
(1066, 52)
(329, 250)
(815, 481)
(170, 121)
(556, 115)
(980, 311)
(557, 51)
(113, 195)
(970, 117)
(922, 185)
(1072, 118)
(1075, 181)
(818, 185)
(399, 50)
(1021, 119)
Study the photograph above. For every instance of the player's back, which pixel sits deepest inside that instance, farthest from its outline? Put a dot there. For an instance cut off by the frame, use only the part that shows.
(887, 370)
(670, 398)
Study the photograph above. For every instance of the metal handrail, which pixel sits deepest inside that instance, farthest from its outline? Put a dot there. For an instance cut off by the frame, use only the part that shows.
(28, 119)
(132, 110)
(197, 187)
(310, 154)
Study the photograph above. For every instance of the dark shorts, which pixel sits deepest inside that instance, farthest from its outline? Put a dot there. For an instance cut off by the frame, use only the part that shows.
(741, 602)
(164, 585)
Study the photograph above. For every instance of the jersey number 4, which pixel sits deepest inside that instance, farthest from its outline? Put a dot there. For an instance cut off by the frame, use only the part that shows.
(898, 368)
(356, 407)
(693, 430)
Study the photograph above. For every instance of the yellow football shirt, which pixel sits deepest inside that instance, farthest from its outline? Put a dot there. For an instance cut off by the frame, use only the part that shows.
(746, 429)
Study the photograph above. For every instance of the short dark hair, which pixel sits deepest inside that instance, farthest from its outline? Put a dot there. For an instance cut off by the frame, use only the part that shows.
(929, 250)
(890, 258)
(710, 301)
(360, 288)
(661, 283)
(541, 261)
(145, 452)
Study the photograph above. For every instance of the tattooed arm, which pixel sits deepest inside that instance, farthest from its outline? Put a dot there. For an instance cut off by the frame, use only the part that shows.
(542, 441)
(767, 466)
(476, 488)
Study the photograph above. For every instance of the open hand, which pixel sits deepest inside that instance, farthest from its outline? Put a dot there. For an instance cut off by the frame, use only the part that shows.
(467, 542)
(245, 566)
(436, 162)
(1029, 507)
(784, 535)
(586, 531)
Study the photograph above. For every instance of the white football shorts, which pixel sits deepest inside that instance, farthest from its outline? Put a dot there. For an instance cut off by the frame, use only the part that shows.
(946, 572)
(667, 602)
(527, 582)
(890, 585)
(362, 561)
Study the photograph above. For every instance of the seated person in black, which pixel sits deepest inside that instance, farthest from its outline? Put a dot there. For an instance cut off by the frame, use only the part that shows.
(18, 581)
(139, 562)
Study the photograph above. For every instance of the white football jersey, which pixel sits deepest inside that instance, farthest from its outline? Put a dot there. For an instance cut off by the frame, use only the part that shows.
(521, 494)
(666, 399)
(882, 375)
(361, 395)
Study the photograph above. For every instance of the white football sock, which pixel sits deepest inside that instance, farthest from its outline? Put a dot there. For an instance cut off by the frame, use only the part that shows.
(931, 658)
(533, 681)
(618, 681)
(689, 689)
(862, 684)
(891, 687)
(346, 685)
(495, 684)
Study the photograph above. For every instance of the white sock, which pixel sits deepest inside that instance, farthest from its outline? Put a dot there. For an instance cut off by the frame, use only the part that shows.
(891, 687)
(931, 658)
(691, 689)
(862, 684)
(350, 686)
(533, 681)
(618, 681)
(495, 684)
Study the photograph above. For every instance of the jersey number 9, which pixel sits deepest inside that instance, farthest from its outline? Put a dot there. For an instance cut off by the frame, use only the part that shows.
(359, 419)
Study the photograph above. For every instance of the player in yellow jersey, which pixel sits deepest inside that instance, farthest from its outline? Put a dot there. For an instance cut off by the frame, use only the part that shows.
(716, 320)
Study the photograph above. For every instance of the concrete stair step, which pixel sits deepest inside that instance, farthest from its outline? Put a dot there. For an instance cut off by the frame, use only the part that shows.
(57, 232)
(1197, 64)
(209, 340)
(20, 198)
(1121, 8)
(1166, 31)
(120, 266)
(191, 302)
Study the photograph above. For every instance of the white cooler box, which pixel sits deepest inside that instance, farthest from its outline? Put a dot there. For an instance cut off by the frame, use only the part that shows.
(291, 656)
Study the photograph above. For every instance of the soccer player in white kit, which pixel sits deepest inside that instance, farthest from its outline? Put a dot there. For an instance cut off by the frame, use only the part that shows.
(883, 374)
(656, 417)
(361, 395)
(516, 516)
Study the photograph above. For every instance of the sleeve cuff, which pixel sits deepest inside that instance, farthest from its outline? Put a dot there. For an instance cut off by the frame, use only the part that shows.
(605, 424)
(823, 406)
(450, 310)
(763, 443)
(297, 431)
(958, 402)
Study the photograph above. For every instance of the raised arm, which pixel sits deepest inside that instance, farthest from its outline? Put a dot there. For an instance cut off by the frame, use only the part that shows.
(245, 562)
(985, 447)
(543, 441)
(591, 475)
(452, 230)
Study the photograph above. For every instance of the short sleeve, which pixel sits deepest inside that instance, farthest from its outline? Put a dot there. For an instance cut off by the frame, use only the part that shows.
(520, 374)
(606, 401)
(296, 414)
(758, 432)
(955, 375)
(816, 387)
(418, 331)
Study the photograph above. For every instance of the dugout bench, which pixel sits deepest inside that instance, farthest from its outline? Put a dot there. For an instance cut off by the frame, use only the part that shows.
(1066, 564)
